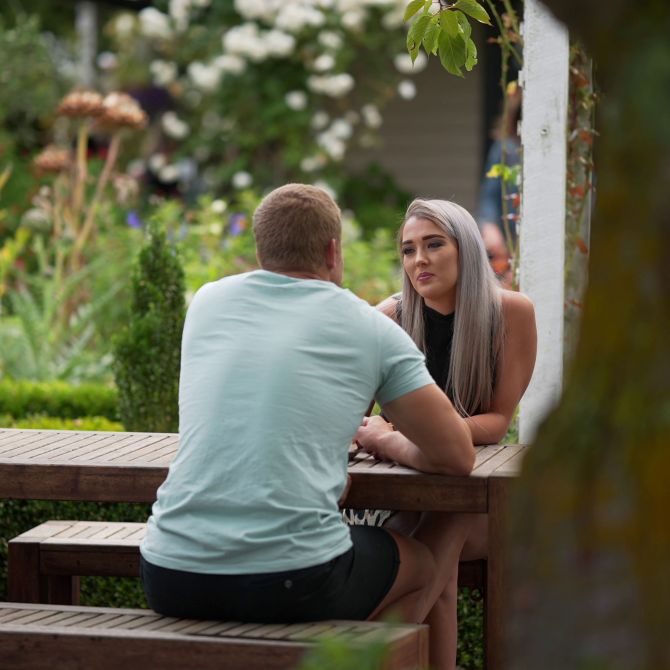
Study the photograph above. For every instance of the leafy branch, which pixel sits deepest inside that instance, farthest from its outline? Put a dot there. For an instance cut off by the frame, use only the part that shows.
(446, 33)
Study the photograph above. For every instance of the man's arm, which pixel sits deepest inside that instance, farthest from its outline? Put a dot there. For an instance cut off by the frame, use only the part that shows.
(430, 434)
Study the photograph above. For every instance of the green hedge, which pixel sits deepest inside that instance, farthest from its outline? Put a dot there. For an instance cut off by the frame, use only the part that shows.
(21, 399)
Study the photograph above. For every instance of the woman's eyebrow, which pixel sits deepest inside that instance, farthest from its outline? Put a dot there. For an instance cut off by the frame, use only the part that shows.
(425, 237)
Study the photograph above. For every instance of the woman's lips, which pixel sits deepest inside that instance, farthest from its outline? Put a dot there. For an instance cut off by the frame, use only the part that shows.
(424, 276)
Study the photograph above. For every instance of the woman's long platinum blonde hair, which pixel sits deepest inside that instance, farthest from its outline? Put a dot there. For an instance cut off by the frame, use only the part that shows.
(478, 318)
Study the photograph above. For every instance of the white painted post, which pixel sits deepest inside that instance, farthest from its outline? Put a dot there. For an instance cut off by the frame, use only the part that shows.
(542, 234)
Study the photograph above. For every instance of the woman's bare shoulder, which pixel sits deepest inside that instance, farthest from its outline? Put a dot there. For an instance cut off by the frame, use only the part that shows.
(518, 310)
(389, 306)
(514, 302)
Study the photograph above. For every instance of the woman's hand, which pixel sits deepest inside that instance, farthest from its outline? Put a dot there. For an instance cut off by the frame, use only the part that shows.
(371, 435)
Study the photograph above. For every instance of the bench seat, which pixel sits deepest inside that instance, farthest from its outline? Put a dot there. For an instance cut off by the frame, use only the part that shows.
(44, 563)
(52, 637)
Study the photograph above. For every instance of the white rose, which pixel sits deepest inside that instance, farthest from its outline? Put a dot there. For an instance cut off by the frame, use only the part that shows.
(353, 20)
(371, 116)
(278, 43)
(179, 11)
(332, 145)
(407, 89)
(294, 18)
(230, 63)
(154, 24)
(173, 126)
(320, 120)
(168, 174)
(334, 86)
(325, 186)
(393, 19)
(219, 206)
(324, 62)
(312, 163)
(341, 129)
(330, 39)
(253, 9)
(157, 161)
(296, 100)
(163, 72)
(403, 63)
(204, 77)
(245, 40)
(124, 25)
(242, 180)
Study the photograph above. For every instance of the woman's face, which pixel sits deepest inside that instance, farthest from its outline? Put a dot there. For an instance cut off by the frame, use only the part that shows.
(430, 259)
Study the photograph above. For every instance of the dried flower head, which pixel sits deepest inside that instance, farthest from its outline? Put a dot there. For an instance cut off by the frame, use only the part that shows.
(120, 110)
(81, 103)
(52, 159)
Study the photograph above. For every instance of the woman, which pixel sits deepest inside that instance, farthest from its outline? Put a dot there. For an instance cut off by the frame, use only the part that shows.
(480, 344)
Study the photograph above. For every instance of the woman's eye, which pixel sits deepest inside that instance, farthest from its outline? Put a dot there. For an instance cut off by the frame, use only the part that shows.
(407, 250)
(435, 245)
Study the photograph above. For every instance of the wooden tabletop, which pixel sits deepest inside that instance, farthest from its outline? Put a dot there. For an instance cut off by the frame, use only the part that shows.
(129, 467)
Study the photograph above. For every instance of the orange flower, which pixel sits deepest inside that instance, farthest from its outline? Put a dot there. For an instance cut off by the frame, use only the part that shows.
(80, 103)
(52, 159)
(120, 110)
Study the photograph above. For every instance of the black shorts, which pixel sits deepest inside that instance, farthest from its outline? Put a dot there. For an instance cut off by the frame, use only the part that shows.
(350, 586)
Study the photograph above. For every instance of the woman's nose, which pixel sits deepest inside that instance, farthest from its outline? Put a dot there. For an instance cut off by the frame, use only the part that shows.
(420, 257)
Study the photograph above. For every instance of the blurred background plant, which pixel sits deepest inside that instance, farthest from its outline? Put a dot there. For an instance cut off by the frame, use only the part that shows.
(259, 92)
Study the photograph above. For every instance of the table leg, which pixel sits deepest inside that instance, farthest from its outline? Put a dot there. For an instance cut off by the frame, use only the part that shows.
(494, 615)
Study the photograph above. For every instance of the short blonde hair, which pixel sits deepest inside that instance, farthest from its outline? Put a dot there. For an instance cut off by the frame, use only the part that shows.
(293, 226)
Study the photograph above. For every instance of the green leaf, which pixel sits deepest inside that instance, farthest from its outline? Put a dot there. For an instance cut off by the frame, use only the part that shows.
(474, 9)
(430, 39)
(449, 22)
(464, 24)
(470, 54)
(412, 9)
(452, 53)
(415, 35)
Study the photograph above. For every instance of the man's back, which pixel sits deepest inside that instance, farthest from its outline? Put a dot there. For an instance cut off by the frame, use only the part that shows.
(276, 375)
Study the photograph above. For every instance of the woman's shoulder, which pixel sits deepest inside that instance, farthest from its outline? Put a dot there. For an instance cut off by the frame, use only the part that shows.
(389, 306)
(517, 308)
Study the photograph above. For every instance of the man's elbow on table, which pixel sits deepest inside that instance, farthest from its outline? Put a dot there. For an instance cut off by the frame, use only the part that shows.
(458, 458)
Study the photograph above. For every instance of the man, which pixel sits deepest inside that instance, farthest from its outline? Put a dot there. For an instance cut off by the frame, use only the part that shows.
(278, 368)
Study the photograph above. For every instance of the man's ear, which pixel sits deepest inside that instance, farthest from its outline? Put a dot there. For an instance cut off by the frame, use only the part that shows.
(332, 254)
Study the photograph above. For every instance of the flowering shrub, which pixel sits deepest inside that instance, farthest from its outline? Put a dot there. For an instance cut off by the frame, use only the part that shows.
(265, 91)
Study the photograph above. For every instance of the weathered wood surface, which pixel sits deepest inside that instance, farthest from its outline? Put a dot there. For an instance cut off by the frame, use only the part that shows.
(43, 637)
(129, 467)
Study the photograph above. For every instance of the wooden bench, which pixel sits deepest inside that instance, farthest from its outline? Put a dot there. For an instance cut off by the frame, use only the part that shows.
(50, 637)
(45, 562)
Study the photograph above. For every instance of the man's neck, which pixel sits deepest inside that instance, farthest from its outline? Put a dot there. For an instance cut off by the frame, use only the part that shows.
(304, 274)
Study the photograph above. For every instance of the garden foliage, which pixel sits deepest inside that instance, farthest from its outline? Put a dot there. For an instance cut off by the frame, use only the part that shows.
(262, 91)
(22, 399)
(147, 353)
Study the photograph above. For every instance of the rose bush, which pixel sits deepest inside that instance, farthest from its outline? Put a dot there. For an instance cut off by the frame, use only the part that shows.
(263, 91)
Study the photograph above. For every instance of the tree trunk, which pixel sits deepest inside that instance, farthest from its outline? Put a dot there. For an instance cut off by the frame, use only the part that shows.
(590, 538)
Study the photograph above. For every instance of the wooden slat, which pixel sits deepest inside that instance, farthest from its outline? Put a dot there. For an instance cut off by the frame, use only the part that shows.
(132, 442)
(122, 450)
(39, 443)
(511, 467)
(67, 444)
(500, 457)
(484, 453)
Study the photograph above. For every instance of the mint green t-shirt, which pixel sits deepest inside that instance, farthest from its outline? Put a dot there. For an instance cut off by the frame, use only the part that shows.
(276, 376)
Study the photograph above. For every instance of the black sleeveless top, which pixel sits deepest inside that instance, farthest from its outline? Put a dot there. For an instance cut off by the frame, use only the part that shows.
(439, 334)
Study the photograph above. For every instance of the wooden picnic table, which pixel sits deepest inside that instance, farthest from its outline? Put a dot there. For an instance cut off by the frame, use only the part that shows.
(129, 467)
